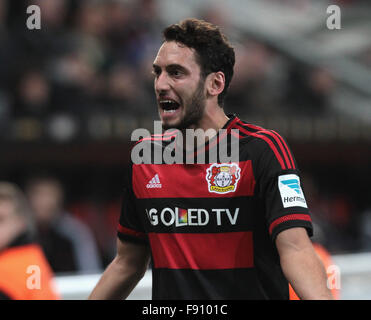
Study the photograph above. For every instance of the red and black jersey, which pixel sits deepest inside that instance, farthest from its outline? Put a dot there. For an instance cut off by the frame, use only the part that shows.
(211, 227)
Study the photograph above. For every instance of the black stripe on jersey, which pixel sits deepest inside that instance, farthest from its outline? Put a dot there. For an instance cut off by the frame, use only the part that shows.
(124, 237)
(156, 212)
(285, 146)
(271, 141)
(255, 128)
(278, 142)
(280, 148)
(248, 126)
(223, 284)
(127, 234)
(298, 223)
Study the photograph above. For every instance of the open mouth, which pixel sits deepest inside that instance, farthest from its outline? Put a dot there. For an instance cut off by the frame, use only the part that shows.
(169, 106)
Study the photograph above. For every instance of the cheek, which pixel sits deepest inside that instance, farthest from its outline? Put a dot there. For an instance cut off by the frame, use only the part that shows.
(186, 93)
(7, 230)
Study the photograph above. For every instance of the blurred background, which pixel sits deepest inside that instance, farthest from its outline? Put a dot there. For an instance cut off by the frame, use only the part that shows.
(72, 92)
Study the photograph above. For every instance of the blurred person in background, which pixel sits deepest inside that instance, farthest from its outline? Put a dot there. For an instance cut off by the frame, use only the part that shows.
(326, 258)
(308, 90)
(6, 51)
(53, 12)
(321, 234)
(68, 243)
(365, 230)
(125, 89)
(18, 251)
(33, 96)
(258, 71)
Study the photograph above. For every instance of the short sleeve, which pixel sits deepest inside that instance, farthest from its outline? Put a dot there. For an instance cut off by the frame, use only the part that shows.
(280, 187)
(130, 227)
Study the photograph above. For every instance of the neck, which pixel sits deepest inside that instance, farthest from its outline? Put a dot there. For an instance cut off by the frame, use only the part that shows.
(214, 118)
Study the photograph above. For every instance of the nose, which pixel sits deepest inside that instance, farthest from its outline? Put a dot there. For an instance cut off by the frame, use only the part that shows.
(161, 83)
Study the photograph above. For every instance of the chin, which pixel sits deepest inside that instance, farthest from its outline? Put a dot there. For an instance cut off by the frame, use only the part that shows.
(171, 123)
(167, 126)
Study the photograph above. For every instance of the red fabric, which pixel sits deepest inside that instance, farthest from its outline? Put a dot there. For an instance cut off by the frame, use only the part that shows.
(131, 232)
(297, 216)
(190, 183)
(202, 250)
(270, 143)
(280, 142)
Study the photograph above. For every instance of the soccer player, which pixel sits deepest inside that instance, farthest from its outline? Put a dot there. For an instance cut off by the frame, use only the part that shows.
(237, 230)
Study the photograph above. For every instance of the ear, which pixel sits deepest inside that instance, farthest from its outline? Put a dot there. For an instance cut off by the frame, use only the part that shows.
(215, 83)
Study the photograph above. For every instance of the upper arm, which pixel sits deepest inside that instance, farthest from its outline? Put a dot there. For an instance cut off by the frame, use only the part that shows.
(123, 273)
(279, 185)
(293, 240)
(301, 265)
(132, 242)
(131, 225)
(133, 255)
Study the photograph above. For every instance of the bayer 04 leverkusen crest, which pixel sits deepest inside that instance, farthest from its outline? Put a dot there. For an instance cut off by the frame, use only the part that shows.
(223, 178)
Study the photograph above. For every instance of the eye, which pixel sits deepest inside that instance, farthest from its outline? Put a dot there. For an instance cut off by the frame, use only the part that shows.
(155, 73)
(175, 73)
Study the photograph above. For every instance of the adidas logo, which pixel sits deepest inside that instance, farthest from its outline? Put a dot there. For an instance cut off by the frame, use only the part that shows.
(154, 182)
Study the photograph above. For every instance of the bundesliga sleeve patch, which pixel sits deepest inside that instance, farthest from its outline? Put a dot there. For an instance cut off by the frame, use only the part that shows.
(290, 190)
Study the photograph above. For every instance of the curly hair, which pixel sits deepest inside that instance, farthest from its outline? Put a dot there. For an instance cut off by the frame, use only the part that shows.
(213, 51)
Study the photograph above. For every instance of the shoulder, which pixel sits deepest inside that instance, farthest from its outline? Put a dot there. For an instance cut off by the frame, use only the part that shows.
(265, 142)
(255, 132)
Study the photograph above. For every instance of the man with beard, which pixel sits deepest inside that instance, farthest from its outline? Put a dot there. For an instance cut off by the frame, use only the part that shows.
(214, 230)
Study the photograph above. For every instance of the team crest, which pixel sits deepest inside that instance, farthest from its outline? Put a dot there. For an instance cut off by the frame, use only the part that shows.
(223, 178)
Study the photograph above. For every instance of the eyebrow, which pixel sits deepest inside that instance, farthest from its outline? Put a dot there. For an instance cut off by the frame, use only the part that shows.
(170, 67)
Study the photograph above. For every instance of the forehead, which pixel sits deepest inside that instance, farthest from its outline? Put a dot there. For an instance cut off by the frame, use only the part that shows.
(172, 52)
(44, 186)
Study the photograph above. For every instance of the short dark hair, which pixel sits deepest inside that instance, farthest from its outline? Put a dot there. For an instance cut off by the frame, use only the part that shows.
(214, 53)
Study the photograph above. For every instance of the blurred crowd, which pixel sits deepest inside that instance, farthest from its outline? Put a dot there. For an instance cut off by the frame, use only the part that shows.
(94, 57)
(89, 56)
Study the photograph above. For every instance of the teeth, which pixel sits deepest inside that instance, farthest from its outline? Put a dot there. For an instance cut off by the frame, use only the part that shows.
(169, 111)
(166, 101)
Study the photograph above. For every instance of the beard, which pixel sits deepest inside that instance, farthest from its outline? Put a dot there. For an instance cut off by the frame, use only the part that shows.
(194, 109)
